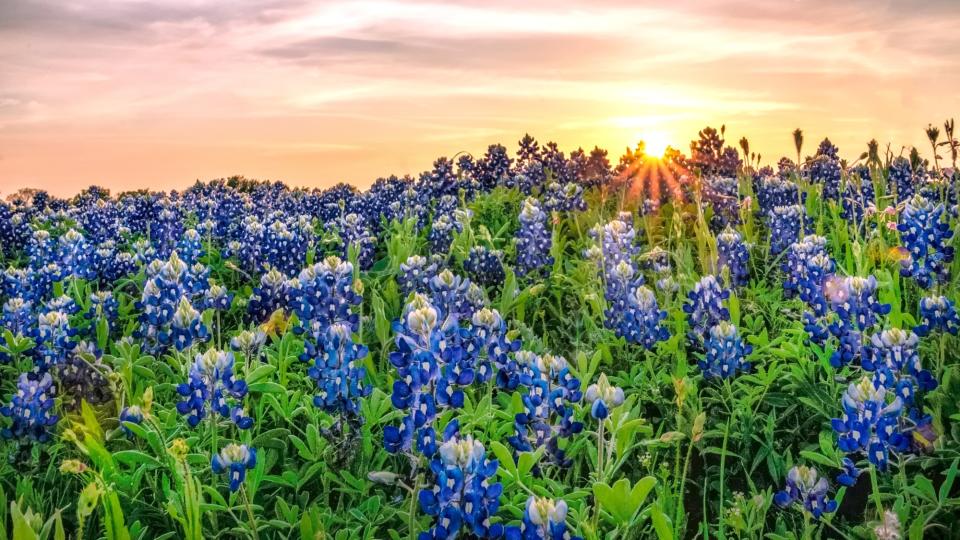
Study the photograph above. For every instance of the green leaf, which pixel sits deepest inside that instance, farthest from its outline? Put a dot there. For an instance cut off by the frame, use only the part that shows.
(621, 501)
(504, 457)
(661, 523)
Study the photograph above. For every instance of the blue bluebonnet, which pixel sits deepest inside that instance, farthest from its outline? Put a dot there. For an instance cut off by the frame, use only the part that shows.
(733, 255)
(642, 319)
(824, 169)
(705, 308)
(848, 473)
(786, 226)
(548, 415)
(185, 328)
(441, 233)
(722, 193)
(18, 316)
(656, 261)
(463, 494)
(53, 339)
(235, 460)
(795, 263)
(133, 414)
(31, 409)
(603, 397)
(893, 358)
(859, 194)
(103, 306)
(926, 235)
(901, 180)
(338, 372)
(870, 422)
(167, 227)
(324, 294)
(773, 191)
(249, 343)
(543, 519)
(217, 297)
(211, 383)
(484, 266)
(563, 197)
(494, 167)
(356, 236)
(489, 343)
(937, 314)
(431, 368)
(416, 273)
(75, 255)
(807, 487)
(190, 247)
(856, 308)
(726, 354)
(534, 239)
(272, 294)
(455, 296)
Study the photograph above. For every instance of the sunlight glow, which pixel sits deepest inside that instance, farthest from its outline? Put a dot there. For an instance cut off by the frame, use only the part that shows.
(655, 143)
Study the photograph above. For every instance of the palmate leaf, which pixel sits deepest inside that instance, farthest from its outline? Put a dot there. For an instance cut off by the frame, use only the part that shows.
(621, 501)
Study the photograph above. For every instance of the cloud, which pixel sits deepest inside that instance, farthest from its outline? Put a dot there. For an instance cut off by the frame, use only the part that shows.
(302, 88)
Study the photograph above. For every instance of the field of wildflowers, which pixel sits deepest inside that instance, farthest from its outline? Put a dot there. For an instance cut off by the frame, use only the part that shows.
(528, 345)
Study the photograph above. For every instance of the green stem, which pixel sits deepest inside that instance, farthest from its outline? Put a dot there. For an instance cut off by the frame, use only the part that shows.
(246, 504)
(876, 490)
(723, 463)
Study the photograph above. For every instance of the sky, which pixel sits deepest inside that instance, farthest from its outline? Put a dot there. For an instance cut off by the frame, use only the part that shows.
(157, 94)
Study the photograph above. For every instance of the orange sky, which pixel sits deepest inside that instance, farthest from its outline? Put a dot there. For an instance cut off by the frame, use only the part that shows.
(131, 94)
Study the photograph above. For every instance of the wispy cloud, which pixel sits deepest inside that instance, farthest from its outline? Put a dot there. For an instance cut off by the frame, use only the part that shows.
(160, 93)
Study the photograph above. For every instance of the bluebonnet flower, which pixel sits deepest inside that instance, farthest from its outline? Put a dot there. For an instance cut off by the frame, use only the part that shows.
(484, 266)
(773, 191)
(75, 256)
(416, 273)
(133, 414)
(854, 302)
(323, 295)
(432, 367)
(641, 319)
(185, 327)
(190, 247)
(824, 169)
(356, 236)
(217, 297)
(455, 296)
(859, 194)
(901, 179)
(53, 338)
(42, 248)
(103, 306)
(848, 473)
(337, 371)
(937, 313)
(603, 397)
(926, 235)
(892, 357)
(210, 383)
(559, 197)
(489, 343)
(271, 295)
(494, 167)
(534, 240)
(786, 225)
(31, 409)
(249, 342)
(17, 316)
(441, 233)
(870, 422)
(726, 353)
(732, 254)
(795, 263)
(463, 496)
(543, 519)
(722, 193)
(706, 307)
(806, 486)
(235, 460)
(548, 412)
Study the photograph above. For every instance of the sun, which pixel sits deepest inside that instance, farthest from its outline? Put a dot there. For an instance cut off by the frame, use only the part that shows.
(655, 143)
